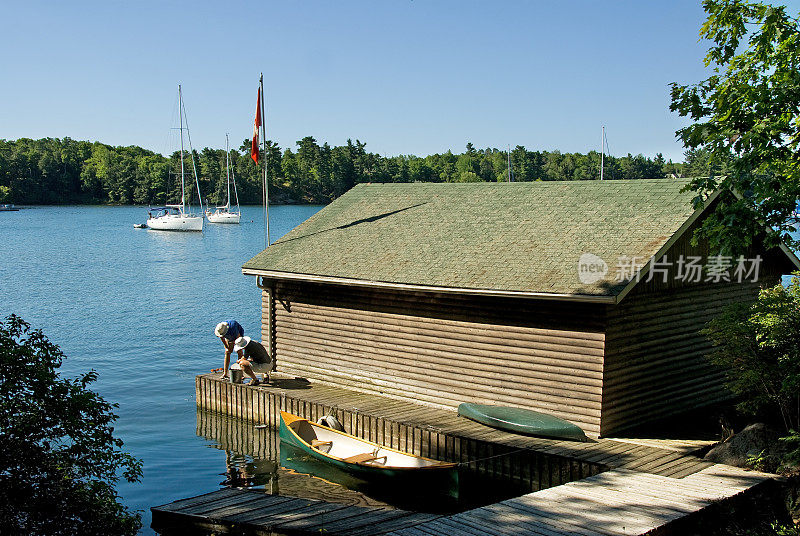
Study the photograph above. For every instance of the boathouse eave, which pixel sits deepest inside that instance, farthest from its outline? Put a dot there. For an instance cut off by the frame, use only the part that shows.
(793, 259)
(667, 245)
(586, 298)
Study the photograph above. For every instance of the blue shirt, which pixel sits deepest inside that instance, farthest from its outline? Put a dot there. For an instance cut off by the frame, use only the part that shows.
(235, 330)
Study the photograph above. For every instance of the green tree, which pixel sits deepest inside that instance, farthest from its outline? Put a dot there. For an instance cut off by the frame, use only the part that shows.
(50, 170)
(59, 459)
(747, 116)
(758, 347)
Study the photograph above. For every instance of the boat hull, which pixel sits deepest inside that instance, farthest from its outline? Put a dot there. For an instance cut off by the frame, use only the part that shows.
(443, 476)
(224, 217)
(522, 421)
(176, 223)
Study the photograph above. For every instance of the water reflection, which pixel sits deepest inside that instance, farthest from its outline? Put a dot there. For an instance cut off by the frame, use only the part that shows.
(255, 457)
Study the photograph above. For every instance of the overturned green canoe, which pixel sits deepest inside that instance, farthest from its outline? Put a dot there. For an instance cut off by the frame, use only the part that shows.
(522, 421)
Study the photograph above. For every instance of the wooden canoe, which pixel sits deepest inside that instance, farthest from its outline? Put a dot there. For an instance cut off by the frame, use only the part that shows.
(522, 421)
(361, 457)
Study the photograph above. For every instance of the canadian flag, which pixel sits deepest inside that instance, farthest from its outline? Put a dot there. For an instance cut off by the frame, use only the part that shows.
(256, 126)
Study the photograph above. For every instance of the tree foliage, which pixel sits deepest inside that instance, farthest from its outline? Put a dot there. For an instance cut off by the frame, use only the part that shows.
(51, 171)
(747, 121)
(758, 346)
(59, 459)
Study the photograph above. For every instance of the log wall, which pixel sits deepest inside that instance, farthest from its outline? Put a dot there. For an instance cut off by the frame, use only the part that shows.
(655, 355)
(443, 350)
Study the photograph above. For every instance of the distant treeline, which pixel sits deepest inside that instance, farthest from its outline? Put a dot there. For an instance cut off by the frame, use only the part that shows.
(59, 171)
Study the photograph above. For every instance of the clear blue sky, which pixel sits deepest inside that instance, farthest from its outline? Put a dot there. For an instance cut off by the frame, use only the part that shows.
(407, 77)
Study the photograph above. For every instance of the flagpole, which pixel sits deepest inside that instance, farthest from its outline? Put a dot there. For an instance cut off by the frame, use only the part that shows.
(266, 160)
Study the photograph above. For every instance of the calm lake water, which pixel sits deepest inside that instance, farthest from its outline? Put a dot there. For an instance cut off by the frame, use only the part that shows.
(140, 307)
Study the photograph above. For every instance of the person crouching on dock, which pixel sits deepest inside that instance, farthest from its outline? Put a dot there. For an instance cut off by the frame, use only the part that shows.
(228, 332)
(254, 352)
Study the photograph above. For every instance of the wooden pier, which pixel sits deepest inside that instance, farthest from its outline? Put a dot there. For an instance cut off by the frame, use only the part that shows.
(247, 512)
(439, 433)
(616, 502)
(602, 487)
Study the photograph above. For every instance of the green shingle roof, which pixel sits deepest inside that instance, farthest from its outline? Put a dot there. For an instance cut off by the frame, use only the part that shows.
(513, 237)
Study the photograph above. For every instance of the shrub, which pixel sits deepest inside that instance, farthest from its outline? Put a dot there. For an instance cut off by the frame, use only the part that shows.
(759, 348)
(59, 459)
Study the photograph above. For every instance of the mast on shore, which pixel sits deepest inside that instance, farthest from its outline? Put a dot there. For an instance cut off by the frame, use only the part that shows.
(510, 171)
(602, 150)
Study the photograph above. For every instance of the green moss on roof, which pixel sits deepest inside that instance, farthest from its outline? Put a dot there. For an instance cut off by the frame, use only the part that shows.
(491, 236)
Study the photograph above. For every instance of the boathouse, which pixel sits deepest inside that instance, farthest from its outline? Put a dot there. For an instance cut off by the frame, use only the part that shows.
(580, 299)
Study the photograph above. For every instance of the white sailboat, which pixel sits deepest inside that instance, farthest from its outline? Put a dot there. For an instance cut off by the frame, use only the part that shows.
(224, 214)
(179, 217)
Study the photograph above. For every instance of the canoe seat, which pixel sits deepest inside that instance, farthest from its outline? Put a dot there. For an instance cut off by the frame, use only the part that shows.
(365, 457)
(316, 443)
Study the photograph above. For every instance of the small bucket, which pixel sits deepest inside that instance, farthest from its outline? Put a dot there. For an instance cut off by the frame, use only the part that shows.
(235, 375)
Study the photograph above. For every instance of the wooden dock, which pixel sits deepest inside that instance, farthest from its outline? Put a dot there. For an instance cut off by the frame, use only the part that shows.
(617, 502)
(252, 512)
(603, 487)
(439, 433)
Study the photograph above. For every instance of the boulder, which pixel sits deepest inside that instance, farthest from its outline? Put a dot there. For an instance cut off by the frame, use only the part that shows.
(756, 440)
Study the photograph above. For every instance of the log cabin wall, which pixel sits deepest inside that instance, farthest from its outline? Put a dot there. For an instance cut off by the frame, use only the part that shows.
(655, 361)
(442, 350)
(655, 356)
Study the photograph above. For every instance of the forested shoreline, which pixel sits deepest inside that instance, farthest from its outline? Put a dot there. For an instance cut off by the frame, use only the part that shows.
(66, 171)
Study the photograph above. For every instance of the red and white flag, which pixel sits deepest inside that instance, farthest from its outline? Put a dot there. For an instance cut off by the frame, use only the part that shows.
(256, 126)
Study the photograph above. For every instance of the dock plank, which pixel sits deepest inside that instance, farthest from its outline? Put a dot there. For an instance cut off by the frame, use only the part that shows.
(550, 519)
(432, 530)
(277, 506)
(373, 519)
(223, 502)
(199, 499)
(463, 528)
(389, 525)
(510, 522)
(321, 523)
(317, 509)
(415, 531)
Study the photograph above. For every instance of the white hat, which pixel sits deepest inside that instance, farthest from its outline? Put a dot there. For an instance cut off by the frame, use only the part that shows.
(221, 329)
(240, 343)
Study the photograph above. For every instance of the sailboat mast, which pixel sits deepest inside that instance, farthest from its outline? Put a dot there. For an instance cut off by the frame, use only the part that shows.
(235, 192)
(602, 150)
(228, 168)
(194, 166)
(264, 142)
(180, 113)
